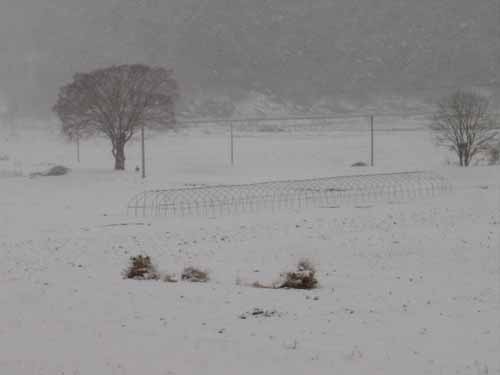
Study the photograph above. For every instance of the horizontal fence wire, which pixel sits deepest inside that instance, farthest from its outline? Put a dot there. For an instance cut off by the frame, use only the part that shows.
(222, 200)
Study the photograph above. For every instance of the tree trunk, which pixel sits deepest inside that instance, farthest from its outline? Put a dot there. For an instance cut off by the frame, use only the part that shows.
(119, 154)
(461, 158)
(467, 157)
(461, 153)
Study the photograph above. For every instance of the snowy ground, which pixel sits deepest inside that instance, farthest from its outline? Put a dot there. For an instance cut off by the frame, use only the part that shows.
(409, 288)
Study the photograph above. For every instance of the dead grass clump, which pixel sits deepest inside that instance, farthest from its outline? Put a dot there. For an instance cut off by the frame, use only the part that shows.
(141, 268)
(57, 170)
(302, 278)
(194, 275)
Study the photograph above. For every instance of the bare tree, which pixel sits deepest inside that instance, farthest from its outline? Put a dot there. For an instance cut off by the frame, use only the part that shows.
(117, 101)
(463, 124)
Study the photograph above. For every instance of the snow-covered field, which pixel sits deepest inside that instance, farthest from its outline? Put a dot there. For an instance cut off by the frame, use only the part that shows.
(410, 288)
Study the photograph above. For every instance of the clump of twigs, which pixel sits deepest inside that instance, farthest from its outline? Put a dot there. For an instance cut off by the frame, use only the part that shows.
(57, 170)
(141, 268)
(304, 277)
(194, 275)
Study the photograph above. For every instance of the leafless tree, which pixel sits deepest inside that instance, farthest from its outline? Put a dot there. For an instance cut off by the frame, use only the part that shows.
(117, 101)
(493, 153)
(463, 123)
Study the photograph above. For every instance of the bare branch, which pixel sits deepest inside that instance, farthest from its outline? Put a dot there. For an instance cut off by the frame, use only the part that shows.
(463, 124)
(116, 101)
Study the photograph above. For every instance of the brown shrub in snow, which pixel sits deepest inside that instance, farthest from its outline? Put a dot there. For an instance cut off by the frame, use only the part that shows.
(141, 268)
(194, 275)
(57, 170)
(302, 278)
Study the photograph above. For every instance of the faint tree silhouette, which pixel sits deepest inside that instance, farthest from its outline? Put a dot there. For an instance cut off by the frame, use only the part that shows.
(117, 101)
(463, 124)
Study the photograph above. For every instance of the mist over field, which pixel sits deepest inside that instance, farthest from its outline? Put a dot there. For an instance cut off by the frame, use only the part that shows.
(313, 189)
(314, 56)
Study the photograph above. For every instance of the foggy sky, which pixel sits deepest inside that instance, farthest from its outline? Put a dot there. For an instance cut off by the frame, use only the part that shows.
(296, 50)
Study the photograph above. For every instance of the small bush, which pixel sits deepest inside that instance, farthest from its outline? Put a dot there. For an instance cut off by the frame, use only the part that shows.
(141, 268)
(57, 170)
(194, 275)
(302, 278)
(493, 154)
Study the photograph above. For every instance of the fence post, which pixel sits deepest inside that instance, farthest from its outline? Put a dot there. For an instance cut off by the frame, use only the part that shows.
(231, 141)
(372, 152)
(78, 149)
(143, 153)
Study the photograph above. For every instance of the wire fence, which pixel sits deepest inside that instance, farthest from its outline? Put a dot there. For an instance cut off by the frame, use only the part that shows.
(312, 125)
(385, 121)
(293, 194)
(363, 130)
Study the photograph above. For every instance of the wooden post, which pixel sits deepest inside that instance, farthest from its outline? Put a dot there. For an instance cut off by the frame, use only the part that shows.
(231, 141)
(78, 149)
(143, 153)
(372, 152)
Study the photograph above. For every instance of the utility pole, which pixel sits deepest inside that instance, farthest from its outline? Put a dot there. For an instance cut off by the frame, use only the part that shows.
(231, 133)
(372, 152)
(78, 148)
(143, 153)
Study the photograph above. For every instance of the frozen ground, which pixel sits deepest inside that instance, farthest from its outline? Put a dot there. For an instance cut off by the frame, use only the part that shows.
(408, 288)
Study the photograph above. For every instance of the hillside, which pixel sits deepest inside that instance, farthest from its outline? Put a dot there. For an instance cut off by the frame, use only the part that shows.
(295, 51)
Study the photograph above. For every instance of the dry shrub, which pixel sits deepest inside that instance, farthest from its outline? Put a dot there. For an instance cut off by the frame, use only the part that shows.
(57, 170)
(302, 278)
(493, 154)
(141, 268)
(194, 275)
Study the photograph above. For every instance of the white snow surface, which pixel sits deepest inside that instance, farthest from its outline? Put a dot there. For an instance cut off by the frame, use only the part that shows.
(407, 288)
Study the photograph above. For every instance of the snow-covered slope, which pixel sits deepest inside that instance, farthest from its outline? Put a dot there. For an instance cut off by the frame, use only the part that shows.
(407, 288)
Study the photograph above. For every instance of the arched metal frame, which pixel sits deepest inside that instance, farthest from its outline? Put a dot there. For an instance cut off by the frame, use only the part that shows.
(221, 200)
